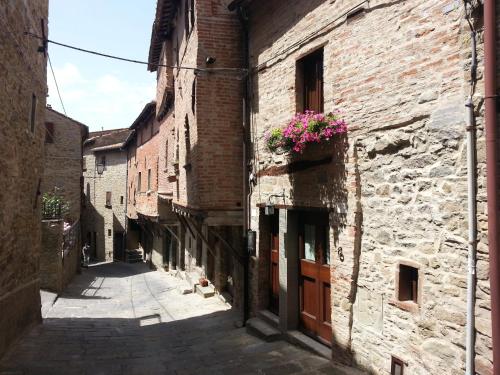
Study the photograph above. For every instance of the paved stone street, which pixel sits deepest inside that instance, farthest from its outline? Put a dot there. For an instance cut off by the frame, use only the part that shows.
(124, 319)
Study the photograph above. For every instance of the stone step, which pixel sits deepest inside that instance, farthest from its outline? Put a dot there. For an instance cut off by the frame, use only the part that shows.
(205, 291)
(270, 318)
(193, 278)
(184, 288)
(263, 330)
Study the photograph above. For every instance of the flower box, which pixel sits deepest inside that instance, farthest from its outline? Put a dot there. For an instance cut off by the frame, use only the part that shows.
(305, 129)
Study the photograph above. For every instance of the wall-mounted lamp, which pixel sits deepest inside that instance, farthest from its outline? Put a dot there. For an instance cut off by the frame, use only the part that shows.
(100, 168)
(269, 209)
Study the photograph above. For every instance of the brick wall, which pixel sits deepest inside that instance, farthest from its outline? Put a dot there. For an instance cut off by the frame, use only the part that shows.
(143, 156)
(203, 130)
(23, 74)
(398, 192)
(63, 161)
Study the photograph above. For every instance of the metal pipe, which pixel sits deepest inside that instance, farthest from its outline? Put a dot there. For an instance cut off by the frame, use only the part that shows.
(472, 223)
(492, 173)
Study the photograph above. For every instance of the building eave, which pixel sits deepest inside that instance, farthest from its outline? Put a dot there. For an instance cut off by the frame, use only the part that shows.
(162, 27)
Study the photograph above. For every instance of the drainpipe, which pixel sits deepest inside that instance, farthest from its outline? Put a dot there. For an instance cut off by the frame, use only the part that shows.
(492, 173)
(471, 274)
(246, 208)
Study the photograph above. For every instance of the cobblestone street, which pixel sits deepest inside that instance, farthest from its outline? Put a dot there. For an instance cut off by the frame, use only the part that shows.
(124, 319)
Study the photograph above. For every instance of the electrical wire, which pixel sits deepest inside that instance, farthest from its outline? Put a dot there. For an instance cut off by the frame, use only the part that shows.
(57, 86)
(239, 70)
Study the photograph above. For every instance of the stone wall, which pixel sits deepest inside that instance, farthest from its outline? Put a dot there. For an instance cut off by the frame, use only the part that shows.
(60, 256)
(63, 161)
(51, 255)
(97, 217)
(396, 188)
(23, 82)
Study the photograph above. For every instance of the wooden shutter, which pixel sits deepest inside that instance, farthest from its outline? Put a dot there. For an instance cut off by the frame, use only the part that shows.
(313, 81)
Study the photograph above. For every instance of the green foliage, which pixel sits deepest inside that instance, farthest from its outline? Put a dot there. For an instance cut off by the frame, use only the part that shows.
(54, 206)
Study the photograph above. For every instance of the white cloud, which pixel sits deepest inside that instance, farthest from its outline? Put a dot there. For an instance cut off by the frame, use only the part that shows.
(104, 101)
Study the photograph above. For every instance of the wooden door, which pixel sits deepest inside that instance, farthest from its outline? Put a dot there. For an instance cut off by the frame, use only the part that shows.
(274, 282)
(314, 283)
(118, 246)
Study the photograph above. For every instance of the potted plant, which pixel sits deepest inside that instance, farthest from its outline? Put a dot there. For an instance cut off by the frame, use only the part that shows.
(304, 129)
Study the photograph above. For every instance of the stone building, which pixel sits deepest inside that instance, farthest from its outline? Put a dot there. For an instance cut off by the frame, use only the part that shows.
(147, 211)
(199, 109)
(22, 106)
(362, 240)
(62, 177)
(105, 182)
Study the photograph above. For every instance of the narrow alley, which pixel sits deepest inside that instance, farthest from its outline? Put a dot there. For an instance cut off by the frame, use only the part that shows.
(118, 318)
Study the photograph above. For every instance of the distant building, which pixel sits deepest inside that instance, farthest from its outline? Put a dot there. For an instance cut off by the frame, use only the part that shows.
(64, 139)
(104, 183)
(62, 183)
(23, 85)
(148, 211)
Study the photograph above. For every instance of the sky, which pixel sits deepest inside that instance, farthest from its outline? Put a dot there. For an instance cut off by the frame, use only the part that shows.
(100, 92)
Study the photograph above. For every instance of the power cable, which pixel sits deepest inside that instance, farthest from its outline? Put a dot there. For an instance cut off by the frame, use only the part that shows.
(57, 86)
(241, 70)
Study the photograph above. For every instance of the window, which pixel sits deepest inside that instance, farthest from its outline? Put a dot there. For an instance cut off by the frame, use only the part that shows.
(397, 366)
(186, 17)
(310, 82)
(193, 96)
(84, 163)
(139, 182)
(49, 132)
(121, 199)
(88, 192)
(108, 199)
(192, 14)
(408, 283)
(33, 112)
(187, 138)
(149, 179)
(109, 232)
(166, 153)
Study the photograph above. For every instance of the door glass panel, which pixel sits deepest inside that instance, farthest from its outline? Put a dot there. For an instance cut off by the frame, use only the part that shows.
(326, 254)
(309, 242)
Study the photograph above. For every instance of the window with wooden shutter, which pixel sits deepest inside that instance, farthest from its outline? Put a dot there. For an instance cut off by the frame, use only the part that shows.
(397, 366)
(108, 199)
(49, 132)
(310, 82)
(149, 179)
(139, 182)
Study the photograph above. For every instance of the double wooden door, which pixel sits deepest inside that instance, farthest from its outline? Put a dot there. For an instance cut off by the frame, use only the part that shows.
(314, 273)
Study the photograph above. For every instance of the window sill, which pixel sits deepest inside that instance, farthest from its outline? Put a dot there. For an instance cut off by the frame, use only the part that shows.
(409, 306)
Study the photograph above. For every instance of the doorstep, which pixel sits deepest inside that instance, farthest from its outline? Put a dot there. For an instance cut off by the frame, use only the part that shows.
(300, 339)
